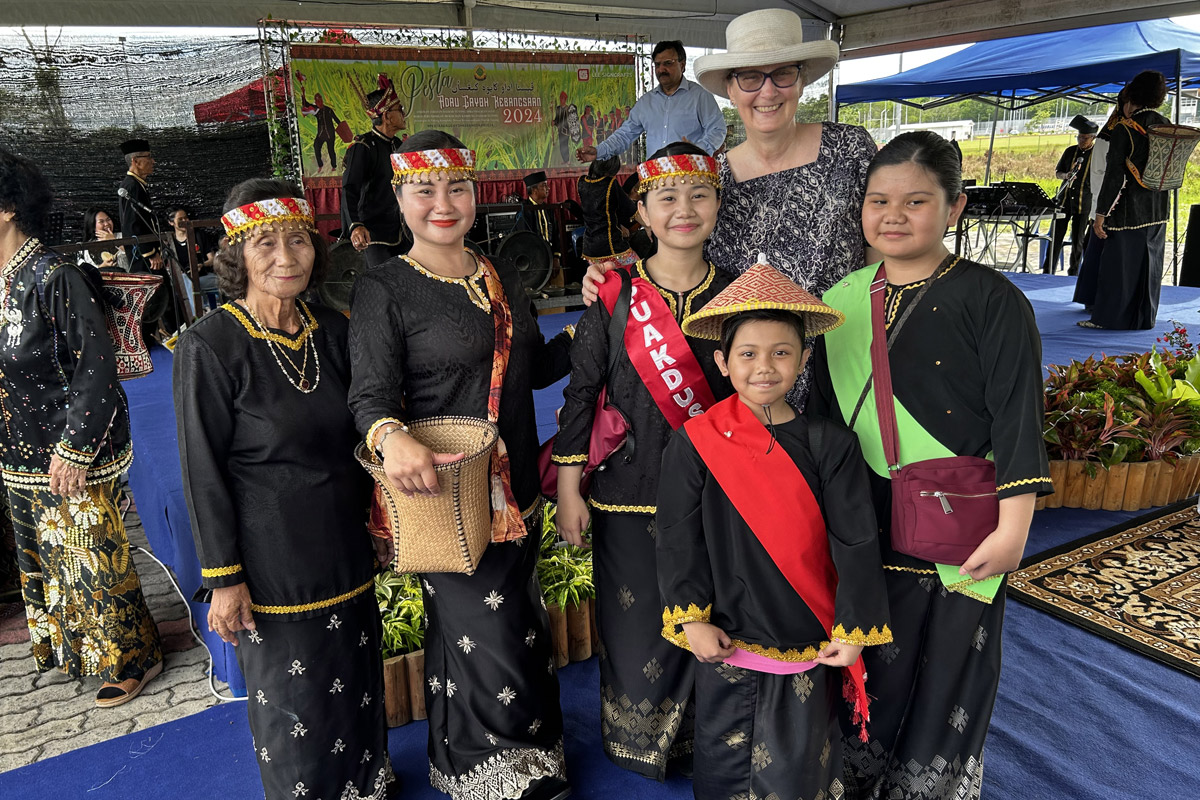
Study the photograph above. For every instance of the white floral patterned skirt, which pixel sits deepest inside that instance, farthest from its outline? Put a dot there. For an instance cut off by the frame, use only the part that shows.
(491, 689)
(82, 595)
(315, 703)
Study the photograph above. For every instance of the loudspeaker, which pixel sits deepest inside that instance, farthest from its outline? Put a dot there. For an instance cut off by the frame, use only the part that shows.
(1189, 267)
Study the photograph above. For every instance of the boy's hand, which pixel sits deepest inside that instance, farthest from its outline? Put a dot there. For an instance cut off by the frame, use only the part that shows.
(838, 654)
(708, 643)
(572, 518)
(1000, 552)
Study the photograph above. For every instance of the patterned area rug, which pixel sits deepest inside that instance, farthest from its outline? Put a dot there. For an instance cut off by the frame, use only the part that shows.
(1137, 584)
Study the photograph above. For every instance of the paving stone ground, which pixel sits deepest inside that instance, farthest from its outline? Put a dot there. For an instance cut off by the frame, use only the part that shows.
(48, 714)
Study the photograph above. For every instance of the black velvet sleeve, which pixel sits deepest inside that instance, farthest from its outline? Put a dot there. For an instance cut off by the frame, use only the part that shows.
(1115, 171)
(553, 361)
(378, 347)
(589, 366)
(204, 399)
(354, 182)
(1010, 354)
(1064, 161)
(685, 577)
(76, 310)
(860, 606)
(623, 208)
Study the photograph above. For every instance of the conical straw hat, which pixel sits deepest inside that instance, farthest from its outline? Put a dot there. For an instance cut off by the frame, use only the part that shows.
(759, 288)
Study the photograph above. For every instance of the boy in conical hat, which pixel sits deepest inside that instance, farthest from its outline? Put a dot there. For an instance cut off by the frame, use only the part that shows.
(768, 561)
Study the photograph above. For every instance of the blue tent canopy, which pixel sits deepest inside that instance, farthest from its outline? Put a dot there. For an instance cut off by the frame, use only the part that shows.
(1085, 63)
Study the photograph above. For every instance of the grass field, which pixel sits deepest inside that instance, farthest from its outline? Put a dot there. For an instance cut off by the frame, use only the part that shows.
(1033, 158)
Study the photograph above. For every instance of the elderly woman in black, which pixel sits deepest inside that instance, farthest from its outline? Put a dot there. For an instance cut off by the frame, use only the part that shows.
(441, 331)
(65, 441)
(278, 504)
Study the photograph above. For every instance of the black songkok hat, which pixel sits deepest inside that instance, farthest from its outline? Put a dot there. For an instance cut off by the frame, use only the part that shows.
(534, 178)
(1083, 124)
(135, 146)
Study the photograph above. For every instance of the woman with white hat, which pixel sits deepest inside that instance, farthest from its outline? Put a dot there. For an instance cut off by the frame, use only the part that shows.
(792, 191)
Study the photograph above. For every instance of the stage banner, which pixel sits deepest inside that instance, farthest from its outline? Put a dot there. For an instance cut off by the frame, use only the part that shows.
(518, 110)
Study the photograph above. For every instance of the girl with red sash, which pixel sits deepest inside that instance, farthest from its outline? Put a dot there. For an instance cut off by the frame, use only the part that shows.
(965, 366)
(767, 556)
(442, 332)
(661, 380)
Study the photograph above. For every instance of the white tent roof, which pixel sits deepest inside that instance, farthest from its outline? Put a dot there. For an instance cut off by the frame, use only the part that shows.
(865, 27)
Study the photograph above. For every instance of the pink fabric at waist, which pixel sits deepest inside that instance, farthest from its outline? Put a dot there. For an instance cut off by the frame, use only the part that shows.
(747, 660)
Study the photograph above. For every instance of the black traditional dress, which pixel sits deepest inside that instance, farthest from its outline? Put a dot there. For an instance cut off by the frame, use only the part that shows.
(422, 346)
(1131, 263)
(807, 220)
(539, 218)
(367, 196)
(966, 368)
(606, 209)
(645, 682)
(59, 396)
(760, 734)
(278, 502)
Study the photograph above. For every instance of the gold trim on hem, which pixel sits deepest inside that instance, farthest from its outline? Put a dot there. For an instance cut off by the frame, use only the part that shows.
(220, 572)
(917, 570)
(860, 639)
(95, 474)
(1135, 227)
(568, 460)
(623, 509)
(333, 601)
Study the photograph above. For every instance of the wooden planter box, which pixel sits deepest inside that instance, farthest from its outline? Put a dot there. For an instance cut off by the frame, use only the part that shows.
(572, 632)
(1128, 487)
(404, 688)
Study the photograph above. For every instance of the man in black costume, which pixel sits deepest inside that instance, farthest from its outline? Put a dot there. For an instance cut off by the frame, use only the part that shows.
(369, 210)
(136, 207)
(536, 214)
(1074, 196)
(327, 122)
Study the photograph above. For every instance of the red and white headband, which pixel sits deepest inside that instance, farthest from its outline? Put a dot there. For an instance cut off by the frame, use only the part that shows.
(670, 170)
(452, 164)
(278, 213)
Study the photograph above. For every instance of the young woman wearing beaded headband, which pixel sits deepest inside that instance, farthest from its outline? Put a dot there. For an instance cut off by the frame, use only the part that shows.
(679, 201)
(440, 332)
(278, 503)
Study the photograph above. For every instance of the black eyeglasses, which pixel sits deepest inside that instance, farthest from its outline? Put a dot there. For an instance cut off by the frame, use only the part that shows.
(666, 62)
(753, 80)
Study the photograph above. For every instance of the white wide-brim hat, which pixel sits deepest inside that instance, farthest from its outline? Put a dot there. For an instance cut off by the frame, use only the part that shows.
(761, 38)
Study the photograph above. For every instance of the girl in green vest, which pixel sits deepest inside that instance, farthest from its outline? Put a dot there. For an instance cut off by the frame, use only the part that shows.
(966, 378)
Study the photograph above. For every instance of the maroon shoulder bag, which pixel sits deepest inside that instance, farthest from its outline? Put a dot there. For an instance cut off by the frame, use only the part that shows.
(942, 508)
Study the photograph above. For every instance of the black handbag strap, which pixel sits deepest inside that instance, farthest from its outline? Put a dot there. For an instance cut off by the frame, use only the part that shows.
(879, 285)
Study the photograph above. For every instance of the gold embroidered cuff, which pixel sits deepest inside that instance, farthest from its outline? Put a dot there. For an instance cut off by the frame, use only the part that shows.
(74, 458)
(674, 619)
(569, 460)
(1022, 482)
(856, 636)
(622, 509)
(220, 572)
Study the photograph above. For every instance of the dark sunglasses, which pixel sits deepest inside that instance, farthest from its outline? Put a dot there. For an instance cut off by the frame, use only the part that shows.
(752, 80)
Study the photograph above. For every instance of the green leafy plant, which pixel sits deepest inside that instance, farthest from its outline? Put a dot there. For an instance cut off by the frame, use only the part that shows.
(564, 571)
(1077, 429)
(402, 607)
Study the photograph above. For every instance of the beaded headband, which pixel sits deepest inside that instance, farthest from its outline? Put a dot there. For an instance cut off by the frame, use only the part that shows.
(453, 164)
(669, 170)
(279, 213)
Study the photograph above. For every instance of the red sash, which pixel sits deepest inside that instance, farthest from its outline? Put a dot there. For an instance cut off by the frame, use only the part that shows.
(660, 353)
(735, 447)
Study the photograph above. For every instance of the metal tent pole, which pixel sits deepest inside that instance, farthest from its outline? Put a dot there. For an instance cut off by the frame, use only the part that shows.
(987, 172)
(1175, 192)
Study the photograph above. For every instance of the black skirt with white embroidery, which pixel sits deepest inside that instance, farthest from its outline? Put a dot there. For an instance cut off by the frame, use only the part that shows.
(316, 703)
(491, 689)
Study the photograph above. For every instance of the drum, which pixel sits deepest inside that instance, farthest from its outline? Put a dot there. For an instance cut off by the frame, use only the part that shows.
(126, 296)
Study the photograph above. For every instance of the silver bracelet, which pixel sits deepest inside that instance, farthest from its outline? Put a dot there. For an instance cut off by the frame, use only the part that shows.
(379, 447)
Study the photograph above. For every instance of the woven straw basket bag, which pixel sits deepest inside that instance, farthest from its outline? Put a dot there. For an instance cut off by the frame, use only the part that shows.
(449, 532)
(1170, 148)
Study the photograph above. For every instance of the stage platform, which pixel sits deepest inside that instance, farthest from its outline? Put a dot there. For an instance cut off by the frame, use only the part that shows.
(1077, 716)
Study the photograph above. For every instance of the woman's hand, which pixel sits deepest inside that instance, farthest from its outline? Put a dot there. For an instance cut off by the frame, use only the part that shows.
(593, 278)
(1098, 227)
(230, 612)
(572, 518)
(66, 480)
(385, 549)
(707, 642)
(838, 654)
(409, 464)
